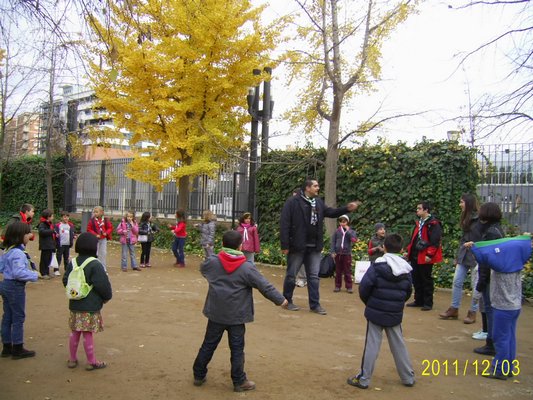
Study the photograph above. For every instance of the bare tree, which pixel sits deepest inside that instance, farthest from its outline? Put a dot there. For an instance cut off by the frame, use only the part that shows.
(510, 111)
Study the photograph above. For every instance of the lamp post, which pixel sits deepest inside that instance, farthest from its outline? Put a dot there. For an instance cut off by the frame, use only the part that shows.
(257, 115)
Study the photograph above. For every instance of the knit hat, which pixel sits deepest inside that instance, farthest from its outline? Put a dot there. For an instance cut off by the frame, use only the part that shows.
(344, 217)
(378, 226)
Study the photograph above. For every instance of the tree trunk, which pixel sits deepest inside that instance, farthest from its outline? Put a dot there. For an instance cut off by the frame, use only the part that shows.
(332, 161)
(183, 193)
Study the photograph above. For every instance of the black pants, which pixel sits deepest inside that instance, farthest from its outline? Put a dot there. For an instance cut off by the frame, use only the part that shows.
(423, 283)
(44, 262)
(213, 335)
(63, 252)
(146, 247)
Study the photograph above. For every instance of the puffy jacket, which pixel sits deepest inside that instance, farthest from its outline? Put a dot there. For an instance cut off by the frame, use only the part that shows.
(94, 275)
(102, 232)
(385, 288)
(250, 238)
(125, 235)
(15, 265)
(207, 231)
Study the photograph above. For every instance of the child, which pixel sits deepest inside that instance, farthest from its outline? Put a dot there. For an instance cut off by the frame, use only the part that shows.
(229, 305)
(85, 318)
(127, 231)
(146, 237)
(207, 229)
(375, 244)
(25, 215)
(180, 233)
(102, 228)
(384, 289)
(64, 238)
(47, 243)
(506, 259)
(18, 269)
(341, 251)
(250, 238)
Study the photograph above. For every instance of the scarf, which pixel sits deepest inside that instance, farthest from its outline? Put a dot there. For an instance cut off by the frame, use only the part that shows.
(312, 203)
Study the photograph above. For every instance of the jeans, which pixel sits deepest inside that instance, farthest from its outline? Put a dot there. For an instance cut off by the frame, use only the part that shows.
(177, 249)
(310, 258)
(457, 288)
(504, 338)
(101, 252)
(213, 335)
(128, 248)
(14, 299)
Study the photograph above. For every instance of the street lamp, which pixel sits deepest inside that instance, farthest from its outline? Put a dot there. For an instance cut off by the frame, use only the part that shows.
(257, 115)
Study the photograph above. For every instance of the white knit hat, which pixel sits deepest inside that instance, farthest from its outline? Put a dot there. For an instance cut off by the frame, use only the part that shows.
(344, 217)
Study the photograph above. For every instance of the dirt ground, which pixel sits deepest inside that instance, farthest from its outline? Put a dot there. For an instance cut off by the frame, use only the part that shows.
(154, 327)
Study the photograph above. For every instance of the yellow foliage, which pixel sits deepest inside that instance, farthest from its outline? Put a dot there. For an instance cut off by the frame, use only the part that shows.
(176, 74)
(344, 37)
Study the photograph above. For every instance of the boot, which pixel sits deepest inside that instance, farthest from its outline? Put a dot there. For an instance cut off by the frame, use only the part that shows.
(470, 318)
(450, 313)
(7, 351)
(487, 350)
(20, 352)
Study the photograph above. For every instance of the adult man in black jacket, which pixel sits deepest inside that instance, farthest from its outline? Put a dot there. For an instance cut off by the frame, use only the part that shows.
(302, 239)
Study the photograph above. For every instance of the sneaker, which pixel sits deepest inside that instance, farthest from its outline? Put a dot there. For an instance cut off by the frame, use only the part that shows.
(413, 304)
(199, 381)
(350, 290)
(480, 335)
(354, 381)
(318, 310)
(243, 387)
(300, 283)
(292, 307)
(337, 289)
(426, 308)
(485, 350)
(409, 384)
(57, 273)
(45, 277)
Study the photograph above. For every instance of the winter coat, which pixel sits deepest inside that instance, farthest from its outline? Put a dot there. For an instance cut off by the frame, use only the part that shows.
(207, 233)
(15, 265)
(94, 275)
(385, 288)
(472, 234)
(47, 235)
(250, 238)
(148, 229)
(294, 222)
(231, 279)
(102, 232)
(342, 244)
(432, 235)
(125, 235)
(488, 232)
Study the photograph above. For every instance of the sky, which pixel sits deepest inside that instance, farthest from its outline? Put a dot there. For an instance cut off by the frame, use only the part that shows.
(421, 72)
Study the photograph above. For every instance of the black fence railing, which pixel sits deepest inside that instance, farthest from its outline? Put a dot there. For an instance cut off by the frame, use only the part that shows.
(104, 183)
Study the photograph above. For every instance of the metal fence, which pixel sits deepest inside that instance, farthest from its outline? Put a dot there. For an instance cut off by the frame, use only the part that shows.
(507, 179)
(104, 183)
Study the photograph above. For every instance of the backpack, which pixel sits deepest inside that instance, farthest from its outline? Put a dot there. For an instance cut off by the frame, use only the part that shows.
(77, 288)
(327, 266)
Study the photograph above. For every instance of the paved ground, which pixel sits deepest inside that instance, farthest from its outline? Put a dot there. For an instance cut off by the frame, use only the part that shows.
(154, 326)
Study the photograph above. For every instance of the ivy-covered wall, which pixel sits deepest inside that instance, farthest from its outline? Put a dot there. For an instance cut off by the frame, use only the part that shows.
(23, 181)
(388, 179)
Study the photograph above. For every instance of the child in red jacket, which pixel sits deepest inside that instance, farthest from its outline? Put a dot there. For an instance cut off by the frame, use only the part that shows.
(102, 228)
(180, 233)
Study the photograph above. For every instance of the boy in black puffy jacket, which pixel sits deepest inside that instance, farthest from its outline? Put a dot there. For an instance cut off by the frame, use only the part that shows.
(384, 289)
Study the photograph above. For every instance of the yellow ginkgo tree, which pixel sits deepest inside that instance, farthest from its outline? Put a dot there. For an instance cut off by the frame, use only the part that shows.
(175, 73)
(341, 60)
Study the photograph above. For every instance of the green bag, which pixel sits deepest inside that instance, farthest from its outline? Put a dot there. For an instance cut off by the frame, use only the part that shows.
(77, 288)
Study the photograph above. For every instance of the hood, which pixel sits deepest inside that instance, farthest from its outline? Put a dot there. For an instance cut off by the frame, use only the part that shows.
(231, 262)
(397, 264)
